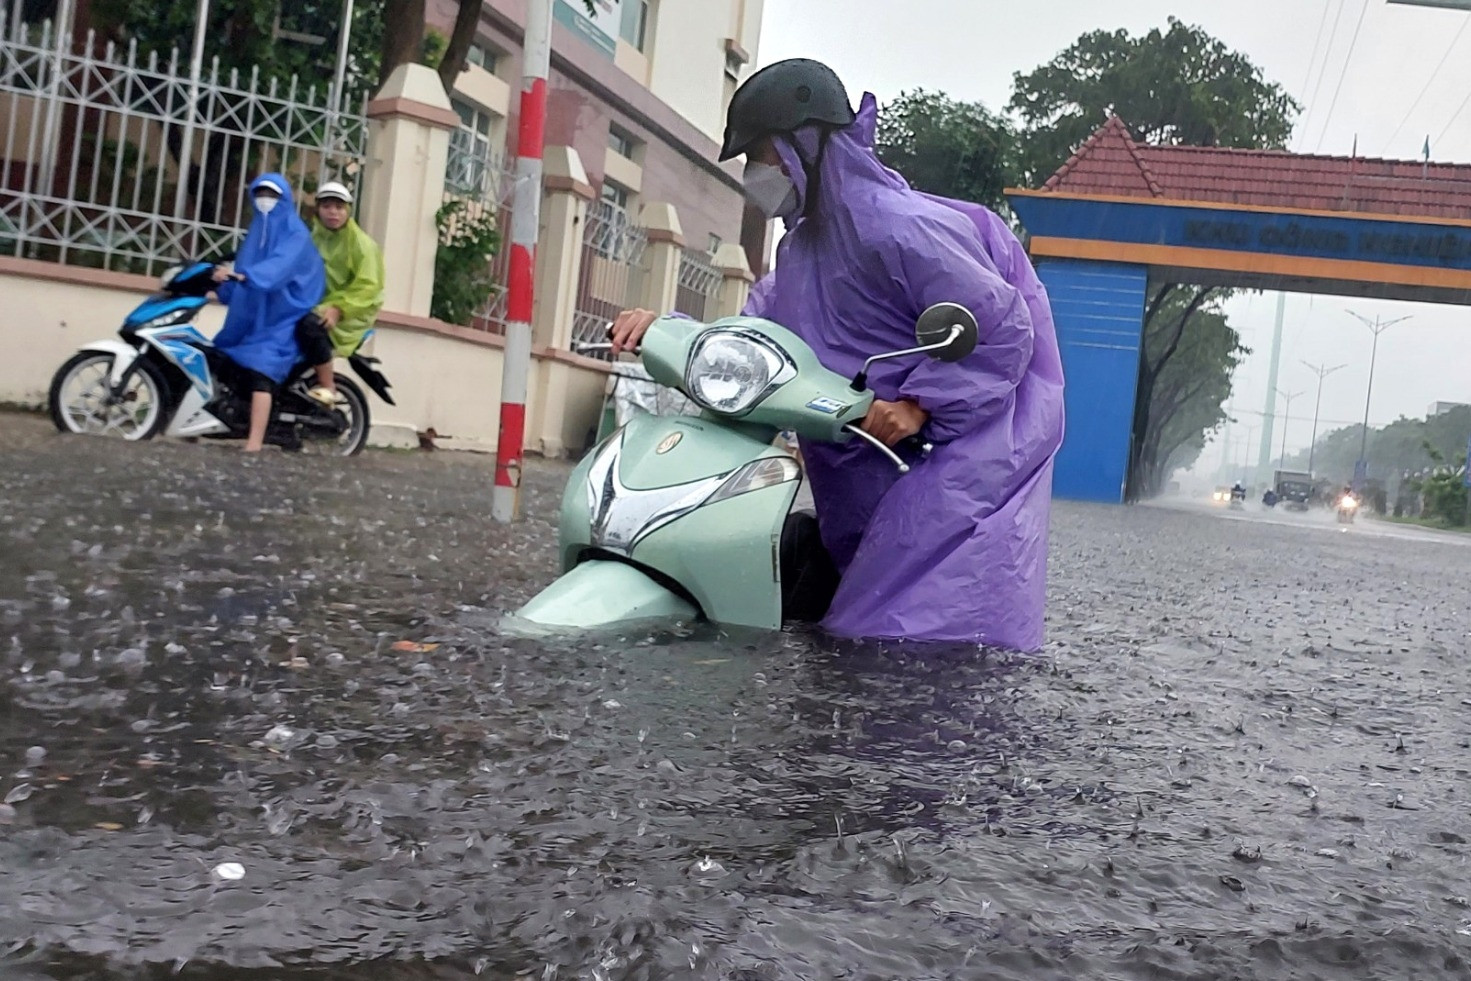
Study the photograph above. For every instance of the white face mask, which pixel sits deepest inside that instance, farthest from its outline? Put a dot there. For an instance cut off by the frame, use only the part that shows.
(770, 190)
(265, 204)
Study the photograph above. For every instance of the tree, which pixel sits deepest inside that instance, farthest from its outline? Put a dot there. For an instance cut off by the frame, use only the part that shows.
(1186, 359)
(1179, 86)
(946, 147)
(1405, 445)
(243, 35)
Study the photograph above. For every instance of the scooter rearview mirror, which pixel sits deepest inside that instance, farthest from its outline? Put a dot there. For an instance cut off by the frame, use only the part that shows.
(949, 325)
(946, 332)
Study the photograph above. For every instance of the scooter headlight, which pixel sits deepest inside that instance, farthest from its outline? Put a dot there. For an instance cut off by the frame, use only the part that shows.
(730, 372)
(168, 320)
(757, 475)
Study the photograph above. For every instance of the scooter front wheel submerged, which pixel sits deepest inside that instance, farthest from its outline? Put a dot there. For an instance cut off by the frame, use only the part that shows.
(598, 593)
(81, 400)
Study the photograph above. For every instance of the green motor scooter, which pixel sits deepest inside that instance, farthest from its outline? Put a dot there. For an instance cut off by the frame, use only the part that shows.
(681, 517)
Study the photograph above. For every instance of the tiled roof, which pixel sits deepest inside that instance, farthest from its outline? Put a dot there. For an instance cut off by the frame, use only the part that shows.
(1111, 163)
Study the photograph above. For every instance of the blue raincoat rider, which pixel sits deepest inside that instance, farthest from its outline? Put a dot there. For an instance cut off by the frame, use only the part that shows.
(278, 278)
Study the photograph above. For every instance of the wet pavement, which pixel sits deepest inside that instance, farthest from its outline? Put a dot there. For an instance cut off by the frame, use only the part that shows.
(256, 722)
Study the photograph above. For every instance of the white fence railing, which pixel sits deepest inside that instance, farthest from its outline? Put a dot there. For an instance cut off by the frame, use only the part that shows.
(612, 273)
(698, 289)
(91, 143)
(484, 182)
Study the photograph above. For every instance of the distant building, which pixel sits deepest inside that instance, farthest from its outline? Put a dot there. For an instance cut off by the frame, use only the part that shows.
(1441, 408)
(639, 89)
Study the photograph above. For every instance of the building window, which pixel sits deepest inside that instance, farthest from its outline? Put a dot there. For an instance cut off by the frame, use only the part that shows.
(470, 152)
(482, 57)
(715, 243)
(621, 143)
(634, 27)
(615, 194)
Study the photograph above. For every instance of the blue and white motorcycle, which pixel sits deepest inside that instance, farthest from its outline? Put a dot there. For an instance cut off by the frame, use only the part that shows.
(164, 376)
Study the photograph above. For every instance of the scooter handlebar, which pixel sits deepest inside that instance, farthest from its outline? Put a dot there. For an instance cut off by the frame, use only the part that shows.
(916, 443)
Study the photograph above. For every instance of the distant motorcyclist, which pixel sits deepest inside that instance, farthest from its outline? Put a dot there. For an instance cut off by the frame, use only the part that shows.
(1238, 491)
(1270, 498)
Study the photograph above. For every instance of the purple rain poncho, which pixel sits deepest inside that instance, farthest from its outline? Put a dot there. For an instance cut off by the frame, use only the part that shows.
(956, 550)
(284, 280)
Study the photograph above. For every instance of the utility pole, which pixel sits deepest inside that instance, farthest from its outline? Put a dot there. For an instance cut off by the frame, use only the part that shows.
(1265, 459)
(1322, 372)
(505, 502)
(1286, 418)
(1361, 469)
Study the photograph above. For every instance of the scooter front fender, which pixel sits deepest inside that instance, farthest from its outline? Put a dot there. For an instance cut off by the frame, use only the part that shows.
(597, 593)
(123, 355)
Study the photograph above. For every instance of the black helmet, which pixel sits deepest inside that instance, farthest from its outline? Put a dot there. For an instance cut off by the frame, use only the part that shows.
(780, 98)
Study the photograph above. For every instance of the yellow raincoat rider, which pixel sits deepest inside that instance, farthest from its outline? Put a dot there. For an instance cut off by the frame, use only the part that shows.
(354, 287)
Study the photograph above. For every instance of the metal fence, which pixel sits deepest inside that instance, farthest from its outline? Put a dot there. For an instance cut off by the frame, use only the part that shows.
(698, 289)
(93, 146)
(485, 184)
(612, 273)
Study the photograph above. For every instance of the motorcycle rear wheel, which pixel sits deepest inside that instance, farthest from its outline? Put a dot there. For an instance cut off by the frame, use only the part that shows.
(79, 399)
(354, 407)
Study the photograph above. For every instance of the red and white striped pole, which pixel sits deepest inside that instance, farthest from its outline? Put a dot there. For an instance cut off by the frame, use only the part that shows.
(525, 220)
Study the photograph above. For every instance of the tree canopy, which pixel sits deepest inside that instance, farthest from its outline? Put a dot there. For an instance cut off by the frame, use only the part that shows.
(943, 146)
(1174, 86)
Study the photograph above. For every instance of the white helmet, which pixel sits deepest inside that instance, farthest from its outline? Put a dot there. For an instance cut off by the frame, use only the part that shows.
(335, 191)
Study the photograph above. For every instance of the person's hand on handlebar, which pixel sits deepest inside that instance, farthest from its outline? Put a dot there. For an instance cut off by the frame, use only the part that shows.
(893, 422)
(629, 329)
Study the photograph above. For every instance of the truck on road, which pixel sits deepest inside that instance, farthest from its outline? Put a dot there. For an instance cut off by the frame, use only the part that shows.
(1294, 489)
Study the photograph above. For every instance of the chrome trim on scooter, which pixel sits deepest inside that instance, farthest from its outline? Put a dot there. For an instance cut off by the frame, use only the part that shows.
(622, 516)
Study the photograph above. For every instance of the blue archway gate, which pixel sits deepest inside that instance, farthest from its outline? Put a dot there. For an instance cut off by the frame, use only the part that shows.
(1120, 216)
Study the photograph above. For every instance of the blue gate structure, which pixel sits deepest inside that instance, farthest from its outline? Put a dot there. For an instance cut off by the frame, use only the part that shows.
(1120, 217)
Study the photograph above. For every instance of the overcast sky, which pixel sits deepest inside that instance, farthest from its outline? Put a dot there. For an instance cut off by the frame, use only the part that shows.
(1406, 76)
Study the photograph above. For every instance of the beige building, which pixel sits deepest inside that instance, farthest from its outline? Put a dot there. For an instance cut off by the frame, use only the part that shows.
(639, 91)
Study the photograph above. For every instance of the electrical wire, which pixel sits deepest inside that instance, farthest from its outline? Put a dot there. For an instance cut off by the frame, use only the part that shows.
(1462, 108)
(1322, 23)
(1322, 73)
(1428, 82)
(1342, 75)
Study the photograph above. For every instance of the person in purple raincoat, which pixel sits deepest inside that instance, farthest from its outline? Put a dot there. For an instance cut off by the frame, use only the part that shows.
(955, 550)
(277, 278)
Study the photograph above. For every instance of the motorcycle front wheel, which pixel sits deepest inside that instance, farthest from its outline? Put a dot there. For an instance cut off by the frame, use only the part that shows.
(81, 401)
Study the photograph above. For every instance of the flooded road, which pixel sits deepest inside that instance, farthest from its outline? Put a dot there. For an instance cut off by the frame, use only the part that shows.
(256, 723)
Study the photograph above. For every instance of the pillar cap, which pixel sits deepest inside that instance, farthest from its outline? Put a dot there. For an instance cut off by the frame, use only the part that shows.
(414, 92)
(730, 259)
(661, 223)
(561, 170)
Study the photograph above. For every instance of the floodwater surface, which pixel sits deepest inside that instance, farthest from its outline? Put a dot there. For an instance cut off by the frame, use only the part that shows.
(256, 722)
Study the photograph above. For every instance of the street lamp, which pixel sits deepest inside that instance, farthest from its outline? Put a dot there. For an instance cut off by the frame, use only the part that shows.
(1322, 372)
(1378, 328)
(1286, 418)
